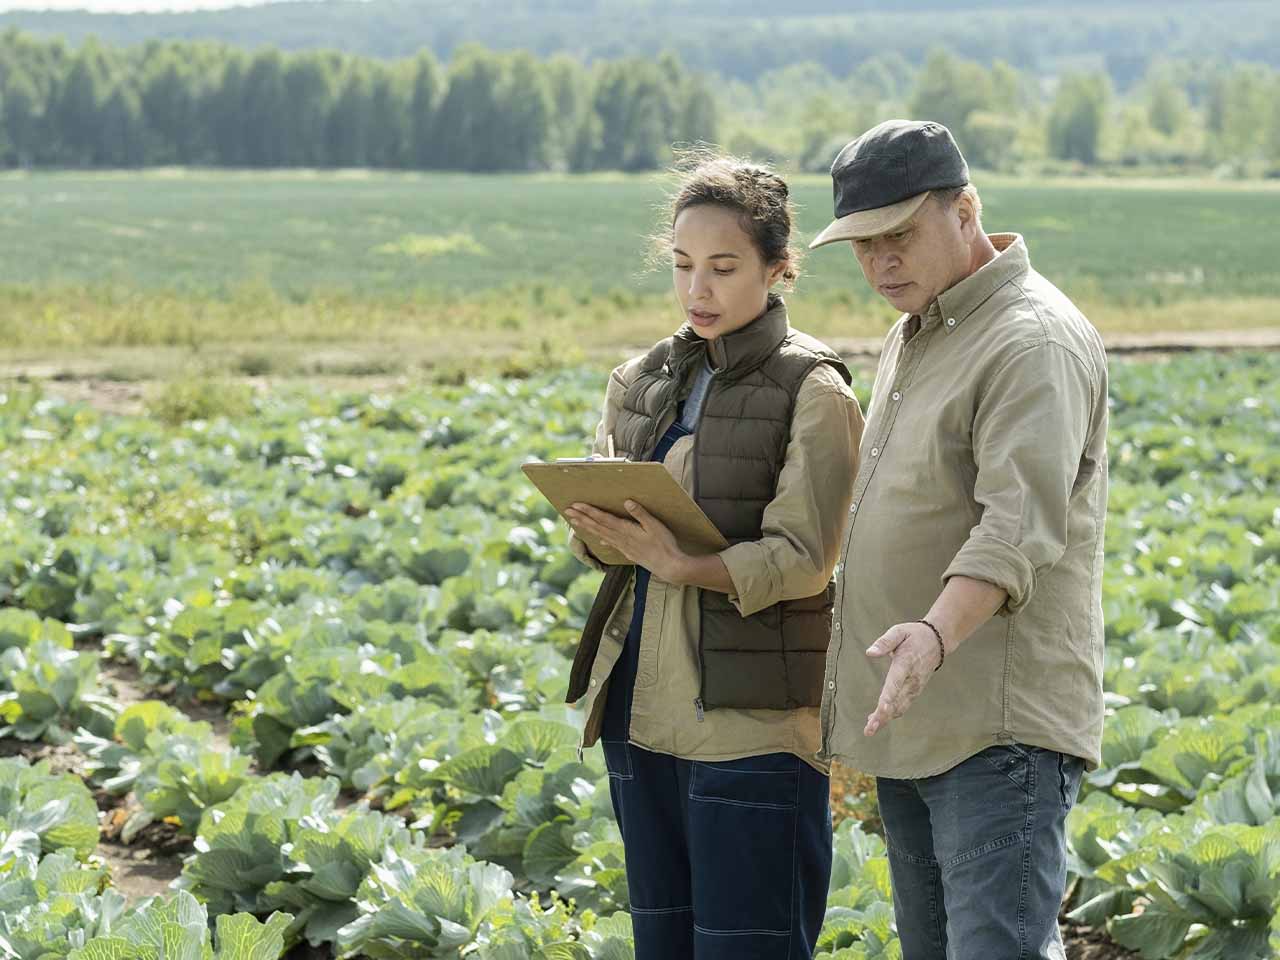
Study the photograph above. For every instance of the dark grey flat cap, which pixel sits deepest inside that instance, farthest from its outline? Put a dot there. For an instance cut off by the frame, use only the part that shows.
(884, 176)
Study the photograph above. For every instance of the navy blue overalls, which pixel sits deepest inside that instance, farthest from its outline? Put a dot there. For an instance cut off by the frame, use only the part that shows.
(727, 860)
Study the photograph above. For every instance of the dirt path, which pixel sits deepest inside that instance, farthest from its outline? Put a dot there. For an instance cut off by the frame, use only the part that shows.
(127, 686)
(147, 866)
(111, 396)
(1122, 344)
(1084, 943)
(63, 759)
(139, 872)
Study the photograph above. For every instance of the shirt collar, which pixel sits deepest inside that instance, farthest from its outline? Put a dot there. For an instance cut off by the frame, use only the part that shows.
(961, 301)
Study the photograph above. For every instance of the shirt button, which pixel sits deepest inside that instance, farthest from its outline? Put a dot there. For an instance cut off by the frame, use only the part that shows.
(593, 681)
(854, 508)
(875, 451)
(951, 321)
(897, 395)
(831, 684)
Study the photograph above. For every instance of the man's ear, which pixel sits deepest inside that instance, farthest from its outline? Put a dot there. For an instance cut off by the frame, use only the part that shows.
(968, 215)
(777, 271)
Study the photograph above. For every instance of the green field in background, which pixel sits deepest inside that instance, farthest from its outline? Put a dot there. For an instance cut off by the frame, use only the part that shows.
(378, 235)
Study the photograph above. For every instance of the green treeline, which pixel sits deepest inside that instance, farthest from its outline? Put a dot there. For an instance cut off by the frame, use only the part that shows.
(204, 103)
(1177, 116)
(208, 104)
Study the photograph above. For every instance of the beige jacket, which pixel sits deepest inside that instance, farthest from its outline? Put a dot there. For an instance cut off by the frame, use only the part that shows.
(985, 455)
(803, 526)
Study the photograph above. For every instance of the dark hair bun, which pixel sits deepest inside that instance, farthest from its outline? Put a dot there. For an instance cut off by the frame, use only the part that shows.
(756, 192)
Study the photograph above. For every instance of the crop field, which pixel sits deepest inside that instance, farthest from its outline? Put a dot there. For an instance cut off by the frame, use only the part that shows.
(372, 234)
(304, 657)
(236, 272)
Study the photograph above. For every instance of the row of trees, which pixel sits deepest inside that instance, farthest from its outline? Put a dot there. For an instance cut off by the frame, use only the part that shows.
(200, 103)
(1178, 114)
(205, 103)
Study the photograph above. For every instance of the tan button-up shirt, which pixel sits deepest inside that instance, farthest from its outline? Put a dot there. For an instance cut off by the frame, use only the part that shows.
(984, 456)
(803, 529)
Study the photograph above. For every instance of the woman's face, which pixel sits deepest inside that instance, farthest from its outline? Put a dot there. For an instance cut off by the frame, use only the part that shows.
(720, 278)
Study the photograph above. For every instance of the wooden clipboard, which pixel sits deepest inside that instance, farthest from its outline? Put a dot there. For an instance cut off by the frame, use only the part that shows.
(608, 483)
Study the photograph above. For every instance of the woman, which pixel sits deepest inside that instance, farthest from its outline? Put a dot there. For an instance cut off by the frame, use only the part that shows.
(703, 674)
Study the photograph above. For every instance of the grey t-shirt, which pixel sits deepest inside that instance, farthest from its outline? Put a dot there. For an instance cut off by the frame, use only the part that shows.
(697, 396)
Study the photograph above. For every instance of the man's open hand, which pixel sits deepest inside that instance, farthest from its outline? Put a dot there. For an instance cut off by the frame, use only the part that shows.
(915, 653)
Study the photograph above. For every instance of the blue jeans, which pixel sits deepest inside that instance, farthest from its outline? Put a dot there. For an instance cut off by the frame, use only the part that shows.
(728, 860)
(978, 855)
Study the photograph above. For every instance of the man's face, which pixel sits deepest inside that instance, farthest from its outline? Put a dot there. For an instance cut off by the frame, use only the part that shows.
(927, 255)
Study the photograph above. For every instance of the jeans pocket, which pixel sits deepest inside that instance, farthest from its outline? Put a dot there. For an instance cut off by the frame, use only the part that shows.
(1016, 761)
(743, 822)
(617, 759)
(1024, 750)
(1070, 774)
(771, 781)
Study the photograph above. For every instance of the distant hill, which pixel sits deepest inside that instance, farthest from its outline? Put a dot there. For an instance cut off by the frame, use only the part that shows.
(735, 38)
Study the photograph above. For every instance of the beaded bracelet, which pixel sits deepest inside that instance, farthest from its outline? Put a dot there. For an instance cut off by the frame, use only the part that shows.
(942, 649)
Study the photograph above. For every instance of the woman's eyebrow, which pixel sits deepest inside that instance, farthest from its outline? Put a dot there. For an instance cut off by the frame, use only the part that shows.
(714, 256)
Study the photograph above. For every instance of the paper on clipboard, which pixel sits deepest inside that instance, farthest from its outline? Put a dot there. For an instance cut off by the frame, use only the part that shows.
(607, 483)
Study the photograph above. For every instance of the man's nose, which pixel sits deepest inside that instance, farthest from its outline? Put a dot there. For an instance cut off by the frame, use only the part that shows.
(883, 260)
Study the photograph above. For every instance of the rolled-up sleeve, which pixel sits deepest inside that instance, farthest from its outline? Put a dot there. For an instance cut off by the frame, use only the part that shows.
(1029, 436)
(613, 394)
(803, 524)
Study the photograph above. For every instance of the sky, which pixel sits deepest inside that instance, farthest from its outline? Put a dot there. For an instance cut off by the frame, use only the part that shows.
(122, 6)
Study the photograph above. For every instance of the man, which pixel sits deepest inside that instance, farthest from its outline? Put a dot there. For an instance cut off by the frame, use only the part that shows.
(965, 667)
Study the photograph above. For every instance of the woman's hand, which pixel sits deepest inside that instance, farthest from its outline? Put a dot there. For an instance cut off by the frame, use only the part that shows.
(643, 539)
